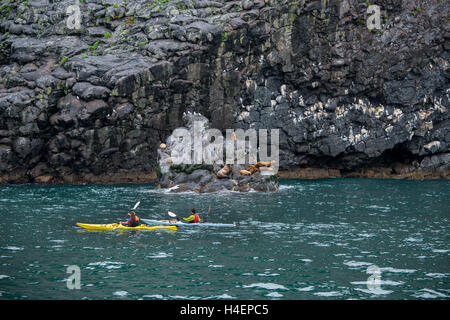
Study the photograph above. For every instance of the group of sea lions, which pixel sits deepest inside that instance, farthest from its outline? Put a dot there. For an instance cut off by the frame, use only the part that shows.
(223, 173)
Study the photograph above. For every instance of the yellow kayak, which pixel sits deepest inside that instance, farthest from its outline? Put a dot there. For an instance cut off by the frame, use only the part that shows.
(111, 226)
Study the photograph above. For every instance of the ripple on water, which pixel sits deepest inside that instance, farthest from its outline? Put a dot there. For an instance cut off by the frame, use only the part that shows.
(380, 208)
(225, 296)
(319, 244)
(440, 250)
(309, 288)
(375, 291)
(58, 241)
(394, 270)
(412, 239)
(380, 282)
(357, 264)
(120, 293)
(437, 275)
(153, 296)
(289, 187)
(274, 295)
(160, 255)
(266, 285)
(105, 264)
(268, 274)
(328, 294)
(13, 248)
(429, 294)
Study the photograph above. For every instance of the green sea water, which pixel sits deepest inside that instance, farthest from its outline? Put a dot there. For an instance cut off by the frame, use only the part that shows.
(313, 239)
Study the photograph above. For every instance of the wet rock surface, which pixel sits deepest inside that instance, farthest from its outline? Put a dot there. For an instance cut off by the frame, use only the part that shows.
(205, 181)
(92, 104)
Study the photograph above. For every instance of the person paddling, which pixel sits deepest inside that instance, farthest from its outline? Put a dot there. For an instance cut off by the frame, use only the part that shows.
(193, 218)
(133, 221)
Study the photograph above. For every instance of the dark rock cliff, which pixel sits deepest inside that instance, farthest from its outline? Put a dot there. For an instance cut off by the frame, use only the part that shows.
(92, 104)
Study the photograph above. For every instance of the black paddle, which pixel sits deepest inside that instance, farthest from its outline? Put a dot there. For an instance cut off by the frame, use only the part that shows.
(206, 217)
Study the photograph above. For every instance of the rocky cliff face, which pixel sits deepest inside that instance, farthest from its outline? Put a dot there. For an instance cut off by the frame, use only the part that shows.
(93, 104)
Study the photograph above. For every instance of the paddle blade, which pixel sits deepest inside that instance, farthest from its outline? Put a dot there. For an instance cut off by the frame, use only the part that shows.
(136, 205)
(173, 215)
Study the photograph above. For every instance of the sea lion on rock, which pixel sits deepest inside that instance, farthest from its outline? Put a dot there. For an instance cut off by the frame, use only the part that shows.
(162, 146)
(252, 169)
(264, 164)
(245, 173)
(223, 173)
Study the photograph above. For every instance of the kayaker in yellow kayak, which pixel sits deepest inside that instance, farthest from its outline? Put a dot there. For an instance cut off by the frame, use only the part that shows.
(133, 221)
(193, 218)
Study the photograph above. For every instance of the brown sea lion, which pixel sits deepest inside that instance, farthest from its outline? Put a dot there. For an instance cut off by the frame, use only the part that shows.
(252, 169)
(266, 164)
(223, 173)
(162, 146)
(245, 173)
